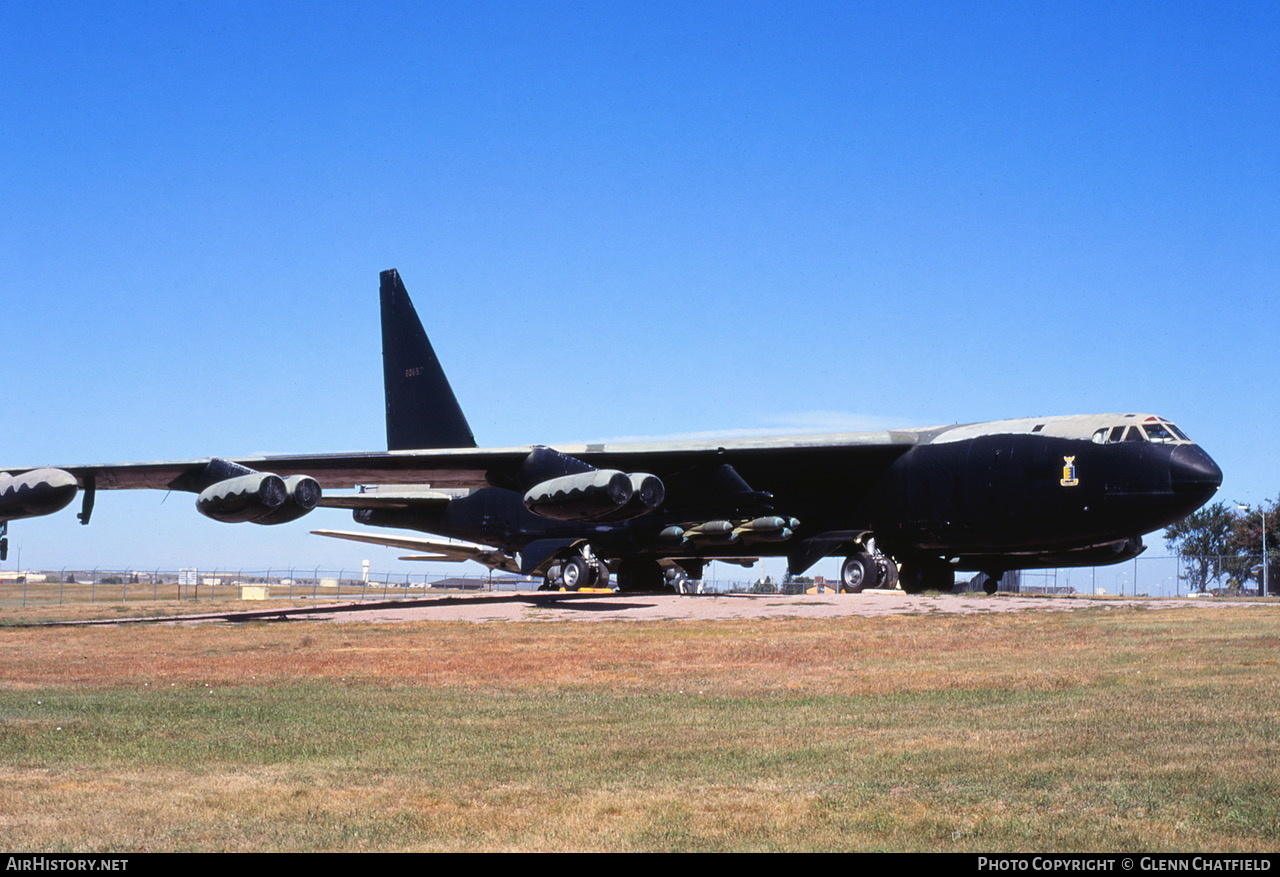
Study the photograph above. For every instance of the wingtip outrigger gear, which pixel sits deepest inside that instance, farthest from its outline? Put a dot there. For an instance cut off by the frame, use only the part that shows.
(86, 501)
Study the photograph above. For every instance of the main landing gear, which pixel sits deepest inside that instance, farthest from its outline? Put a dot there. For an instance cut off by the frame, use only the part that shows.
(864, 569)
(859, 571)
(577, 570)
(920, 574)
(581, 568)
(640, 574)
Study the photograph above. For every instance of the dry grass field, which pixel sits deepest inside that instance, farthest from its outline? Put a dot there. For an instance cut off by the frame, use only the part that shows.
(1121, 729)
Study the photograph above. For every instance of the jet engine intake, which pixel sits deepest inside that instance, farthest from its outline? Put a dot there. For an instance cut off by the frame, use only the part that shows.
(304, 495)
(599, 495)
(260, 497)
(647, 493)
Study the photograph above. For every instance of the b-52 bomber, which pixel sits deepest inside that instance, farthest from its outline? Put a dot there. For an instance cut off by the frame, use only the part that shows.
(905, 506)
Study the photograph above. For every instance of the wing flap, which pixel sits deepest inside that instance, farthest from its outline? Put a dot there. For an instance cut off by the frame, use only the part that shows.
(383, 499)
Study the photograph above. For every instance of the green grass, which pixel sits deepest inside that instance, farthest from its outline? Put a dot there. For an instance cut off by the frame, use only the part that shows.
(1123, 731)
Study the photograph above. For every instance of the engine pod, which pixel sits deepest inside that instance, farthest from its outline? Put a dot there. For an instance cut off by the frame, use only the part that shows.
(243, 498)
(35, 493)
(587, 496)
(303, 495)
(647, 493)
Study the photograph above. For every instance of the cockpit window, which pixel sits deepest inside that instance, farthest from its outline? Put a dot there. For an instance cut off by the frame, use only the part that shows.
(1153, 430)
(1157, 432)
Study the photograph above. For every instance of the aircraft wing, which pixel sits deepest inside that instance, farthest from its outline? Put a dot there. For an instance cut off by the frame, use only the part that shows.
(464, 469)
(434, 549)
(706, 480)
(467, 468)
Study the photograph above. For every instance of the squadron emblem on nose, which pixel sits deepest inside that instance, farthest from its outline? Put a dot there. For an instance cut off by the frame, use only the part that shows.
(1069, 478)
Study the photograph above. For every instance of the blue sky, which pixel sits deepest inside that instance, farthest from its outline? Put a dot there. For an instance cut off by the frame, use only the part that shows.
(622, 219)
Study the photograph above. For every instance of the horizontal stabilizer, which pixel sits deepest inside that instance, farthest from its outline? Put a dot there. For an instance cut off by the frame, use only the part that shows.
(444, 552)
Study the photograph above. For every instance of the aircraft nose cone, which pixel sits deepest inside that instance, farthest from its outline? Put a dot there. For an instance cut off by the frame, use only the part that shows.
(1193, 471)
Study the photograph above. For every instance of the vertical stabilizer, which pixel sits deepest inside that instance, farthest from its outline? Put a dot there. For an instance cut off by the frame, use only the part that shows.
(422, 411)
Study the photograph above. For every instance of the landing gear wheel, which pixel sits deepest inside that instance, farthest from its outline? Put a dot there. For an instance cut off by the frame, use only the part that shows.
(992, 584)
(888, 573)
(575, 573)
(551, 581)
(601, 575)
(912, 577)
(927, 574)
(640, 574)
(857, 572)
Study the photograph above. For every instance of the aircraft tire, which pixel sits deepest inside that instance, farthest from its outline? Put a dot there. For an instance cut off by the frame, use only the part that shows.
(992, 584)
(912, 577)
(640, 574)
(575, 573)
(888, 573)
(857, 572)
(926, 574)
(551, 581)
(601, 574)
(938, 576)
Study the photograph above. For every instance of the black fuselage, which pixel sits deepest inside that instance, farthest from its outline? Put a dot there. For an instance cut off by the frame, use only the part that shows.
(1033, 498)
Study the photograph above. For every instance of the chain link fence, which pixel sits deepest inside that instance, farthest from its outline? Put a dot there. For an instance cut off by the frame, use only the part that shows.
(53, 587)
(1165, 576)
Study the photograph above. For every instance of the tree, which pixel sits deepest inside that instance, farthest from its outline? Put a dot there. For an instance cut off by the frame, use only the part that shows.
(1224, 542)
(1204, 540)
(1246, 542)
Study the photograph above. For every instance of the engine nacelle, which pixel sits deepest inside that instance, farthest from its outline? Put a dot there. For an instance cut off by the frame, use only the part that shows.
(35, 493)
(599, 495)
(303, 495)
(647, 493)
(243, 498)
(260, 497)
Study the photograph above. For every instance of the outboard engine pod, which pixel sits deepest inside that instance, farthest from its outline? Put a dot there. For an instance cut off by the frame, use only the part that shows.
(35, 493)
(304, 495)
(243, 498)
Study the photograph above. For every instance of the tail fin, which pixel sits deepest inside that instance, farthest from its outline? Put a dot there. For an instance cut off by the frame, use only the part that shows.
(422, 411)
